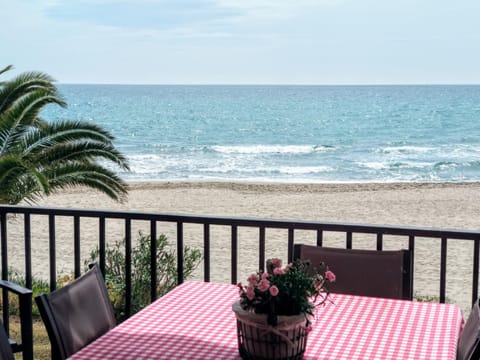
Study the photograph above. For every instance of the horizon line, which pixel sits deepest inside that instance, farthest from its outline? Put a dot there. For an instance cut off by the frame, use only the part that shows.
(267, 84)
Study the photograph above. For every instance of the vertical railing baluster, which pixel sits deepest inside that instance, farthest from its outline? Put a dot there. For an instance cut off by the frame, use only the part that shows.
(76, 245)
(26, 327)
(128, 266)
(349, 240)
(206, 252)
(52, 252)
(4, 247)
(153, 260)
(443, 269)
(319, 237)
(102, 244)
(411, 247)
(379, 242)
(261, 248)
(180, 252)
(291, 243)
(28, 250)
(234, 255)
(476, 250)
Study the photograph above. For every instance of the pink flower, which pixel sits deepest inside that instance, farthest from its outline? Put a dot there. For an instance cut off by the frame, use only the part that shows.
(330, 276)
(273, 290)
(276, 263)
(278, 271)
(288, 266)
(250, 292)
(252, 279)
(263, 285)
(240, 288)
(265, 276)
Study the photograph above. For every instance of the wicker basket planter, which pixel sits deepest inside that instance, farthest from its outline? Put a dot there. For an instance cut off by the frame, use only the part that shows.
(259, 340)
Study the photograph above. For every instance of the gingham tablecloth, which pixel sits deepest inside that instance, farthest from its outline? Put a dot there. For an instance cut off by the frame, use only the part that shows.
(195, 321)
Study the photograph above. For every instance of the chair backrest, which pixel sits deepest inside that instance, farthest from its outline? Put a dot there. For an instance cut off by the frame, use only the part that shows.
(5, 349)
(77, 313)
(469, 341)
(386, 274)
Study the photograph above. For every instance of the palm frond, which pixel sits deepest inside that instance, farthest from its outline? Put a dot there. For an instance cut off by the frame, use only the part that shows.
(90, 175)
(18, 180)
(75, 130)
(5, 69)
(72, 141)
(24, 84)
(26, 109)
(80, 152)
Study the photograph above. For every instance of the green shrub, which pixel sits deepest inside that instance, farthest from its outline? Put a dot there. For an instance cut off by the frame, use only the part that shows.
(430, 298)
(38, 287)
(166, 270)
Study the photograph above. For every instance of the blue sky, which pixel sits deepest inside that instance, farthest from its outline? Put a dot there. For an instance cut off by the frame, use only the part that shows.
(244, 41)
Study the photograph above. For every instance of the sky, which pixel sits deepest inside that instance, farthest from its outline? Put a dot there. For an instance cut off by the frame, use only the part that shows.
(243, 41)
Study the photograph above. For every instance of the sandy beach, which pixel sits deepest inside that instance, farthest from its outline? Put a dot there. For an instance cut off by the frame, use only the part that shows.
(444, 205)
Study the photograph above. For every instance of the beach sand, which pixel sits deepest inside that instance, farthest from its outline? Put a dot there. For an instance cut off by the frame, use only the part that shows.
(443, 205)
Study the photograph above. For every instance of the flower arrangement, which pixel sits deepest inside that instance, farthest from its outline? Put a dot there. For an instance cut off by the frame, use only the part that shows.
(291, 290)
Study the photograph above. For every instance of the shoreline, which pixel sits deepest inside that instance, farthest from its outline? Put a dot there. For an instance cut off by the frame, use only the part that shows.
(302, 186)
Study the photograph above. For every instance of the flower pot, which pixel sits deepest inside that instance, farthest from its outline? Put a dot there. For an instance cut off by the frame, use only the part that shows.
(259, 340)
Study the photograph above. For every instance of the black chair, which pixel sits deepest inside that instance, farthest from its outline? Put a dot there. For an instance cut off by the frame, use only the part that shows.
(386, 274)
(469, 341)
(5, 348)
(25, 308)
(76, 314)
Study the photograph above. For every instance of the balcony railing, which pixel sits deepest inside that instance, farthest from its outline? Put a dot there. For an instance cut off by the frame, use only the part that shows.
(382, 235)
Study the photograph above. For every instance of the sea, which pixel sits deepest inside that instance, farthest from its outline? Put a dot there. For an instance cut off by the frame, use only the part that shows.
(300, 134)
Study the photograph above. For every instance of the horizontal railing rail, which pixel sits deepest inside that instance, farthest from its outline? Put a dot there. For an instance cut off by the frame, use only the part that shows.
(235, 223)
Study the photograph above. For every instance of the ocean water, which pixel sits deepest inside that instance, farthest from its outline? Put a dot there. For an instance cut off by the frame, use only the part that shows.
(286, 133)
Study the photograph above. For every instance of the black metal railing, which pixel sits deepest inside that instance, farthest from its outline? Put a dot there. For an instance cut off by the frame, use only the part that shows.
(412, 234)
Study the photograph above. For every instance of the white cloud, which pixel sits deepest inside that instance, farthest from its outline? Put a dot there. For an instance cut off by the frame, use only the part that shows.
(271, 9)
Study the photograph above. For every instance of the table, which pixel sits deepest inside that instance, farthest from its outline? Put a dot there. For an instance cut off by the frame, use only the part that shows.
(195, 321)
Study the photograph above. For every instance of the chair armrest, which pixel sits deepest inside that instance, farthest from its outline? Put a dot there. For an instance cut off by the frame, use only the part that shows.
(15, 288)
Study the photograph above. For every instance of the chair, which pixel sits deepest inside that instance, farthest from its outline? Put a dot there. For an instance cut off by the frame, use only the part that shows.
(386, 274)
(77, 313)
(25, 309)
(469, 341)
(5, 348)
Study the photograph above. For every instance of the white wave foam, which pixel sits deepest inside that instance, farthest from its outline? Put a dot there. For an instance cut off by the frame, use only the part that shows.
(270, 149)
(374, 165)
(299, 170)
(406, 149)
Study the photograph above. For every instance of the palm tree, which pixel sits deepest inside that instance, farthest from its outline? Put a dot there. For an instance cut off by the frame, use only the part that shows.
(38, 158)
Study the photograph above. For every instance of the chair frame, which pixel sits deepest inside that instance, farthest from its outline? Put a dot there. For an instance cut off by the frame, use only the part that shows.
(5, 348)
(58, 346)
(407, 276)
(26, 327)
(469, 342)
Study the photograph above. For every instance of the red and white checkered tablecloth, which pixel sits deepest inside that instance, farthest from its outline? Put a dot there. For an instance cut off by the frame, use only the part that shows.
(195, 321)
